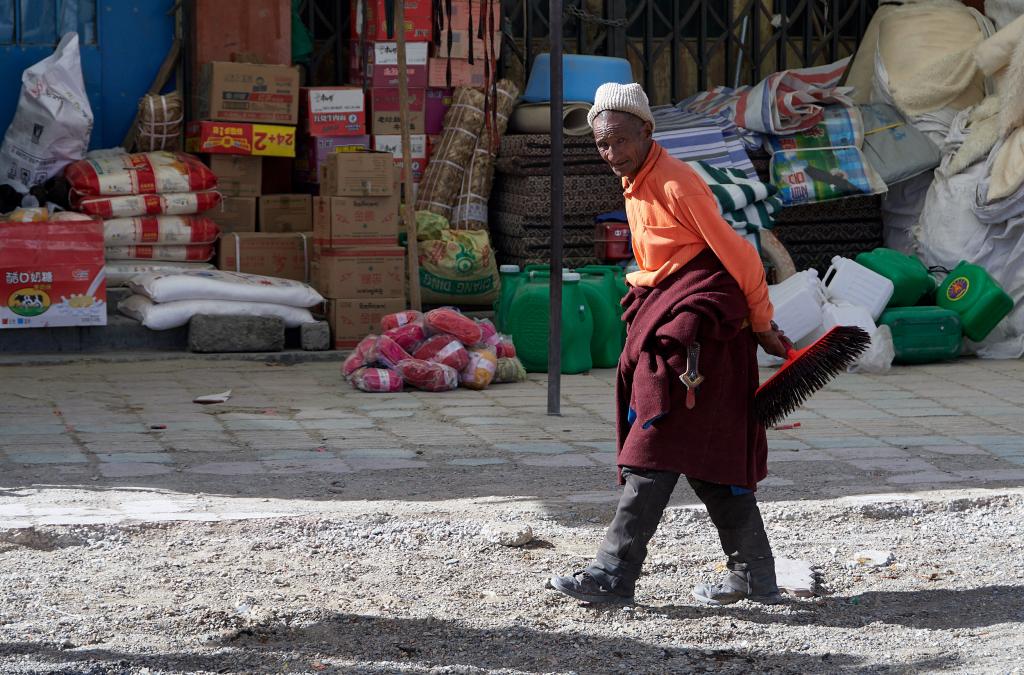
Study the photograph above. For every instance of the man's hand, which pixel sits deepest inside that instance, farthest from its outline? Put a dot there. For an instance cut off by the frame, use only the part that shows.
(774, 341)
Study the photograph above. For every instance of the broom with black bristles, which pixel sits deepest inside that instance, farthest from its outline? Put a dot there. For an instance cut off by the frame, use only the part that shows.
(807, 370)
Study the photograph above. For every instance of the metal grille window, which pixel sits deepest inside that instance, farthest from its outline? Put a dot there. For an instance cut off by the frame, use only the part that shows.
(43, 22)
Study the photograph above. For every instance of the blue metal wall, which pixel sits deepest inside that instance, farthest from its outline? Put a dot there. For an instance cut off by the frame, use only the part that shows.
(123, 47)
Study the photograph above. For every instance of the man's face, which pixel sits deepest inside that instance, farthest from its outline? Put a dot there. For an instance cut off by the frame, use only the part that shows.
(623, 141)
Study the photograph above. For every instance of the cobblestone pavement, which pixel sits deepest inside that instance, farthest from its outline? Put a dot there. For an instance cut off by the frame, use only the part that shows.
(111, 442)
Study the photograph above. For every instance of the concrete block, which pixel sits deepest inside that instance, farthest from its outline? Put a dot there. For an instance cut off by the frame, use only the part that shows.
(235, 334)
(316, 337)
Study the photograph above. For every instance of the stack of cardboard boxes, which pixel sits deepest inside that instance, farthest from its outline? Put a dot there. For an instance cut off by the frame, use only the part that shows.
(376, 67)
(463, 73)
(333, 119)
(358, 265)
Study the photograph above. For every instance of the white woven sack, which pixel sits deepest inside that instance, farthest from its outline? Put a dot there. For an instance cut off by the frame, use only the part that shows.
(120, 272)
(223, 285)
(174, 314)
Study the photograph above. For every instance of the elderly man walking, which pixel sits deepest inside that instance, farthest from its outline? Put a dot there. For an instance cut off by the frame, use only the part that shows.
(696, 311)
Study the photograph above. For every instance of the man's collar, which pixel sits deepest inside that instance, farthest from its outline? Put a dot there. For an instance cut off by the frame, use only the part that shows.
(653, 155)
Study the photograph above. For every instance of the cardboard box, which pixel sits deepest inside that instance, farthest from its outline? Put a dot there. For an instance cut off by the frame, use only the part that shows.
(249, 92)
(463, 74)
(418, 22)
(51, 274)
(258, 31)
(238, 176)
(358, 174)
(333, 111)
(418, 150)
(355, 221)
(314, 150)
(360, 272)
(379, 68)
(437, 104)
(385, 115)
(239, 138)
(284, 255)
(461, 12)
(353, 320)
(286, 213)
(460, 45)
(235, 214)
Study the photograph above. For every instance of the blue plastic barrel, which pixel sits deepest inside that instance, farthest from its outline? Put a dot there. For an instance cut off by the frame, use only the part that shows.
(582, 74)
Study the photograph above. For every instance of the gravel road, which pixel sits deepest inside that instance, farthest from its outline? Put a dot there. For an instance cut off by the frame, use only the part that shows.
(414, 587)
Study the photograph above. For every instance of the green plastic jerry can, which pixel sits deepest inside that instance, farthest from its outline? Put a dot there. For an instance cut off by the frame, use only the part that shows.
(602, 293)
(621, 287)
(923, 334)
(910, 278)
(527, 323)
(510, 279)
(976, 297)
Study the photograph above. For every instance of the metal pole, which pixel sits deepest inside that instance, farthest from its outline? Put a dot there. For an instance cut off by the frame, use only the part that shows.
(557, 187)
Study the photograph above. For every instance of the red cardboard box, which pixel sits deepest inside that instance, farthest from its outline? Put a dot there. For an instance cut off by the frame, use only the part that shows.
(418, 22)
(380, 67)
(51, 274)
(463, 74)
(418, 150)
(239, 138)
(333, 111)
(385, 117)
(314, 150)
(438, 102)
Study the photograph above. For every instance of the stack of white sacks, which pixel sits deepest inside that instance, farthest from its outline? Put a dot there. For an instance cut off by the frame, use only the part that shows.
(806, 307)
(168, 300)
(149, 203)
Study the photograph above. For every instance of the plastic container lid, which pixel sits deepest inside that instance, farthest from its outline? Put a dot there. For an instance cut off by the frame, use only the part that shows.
(509, 269)
(571, 276)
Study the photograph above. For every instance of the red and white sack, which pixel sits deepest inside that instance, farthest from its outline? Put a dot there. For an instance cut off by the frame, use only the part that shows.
(389, 352)
(452, 322)
(363, 355)
(377, 380)
(488, 333)
(409, 336)
(171, 252)
(428, 376)
(140, 174)
(128, 206)
(399, 319)
(160, 230)
(443, 349)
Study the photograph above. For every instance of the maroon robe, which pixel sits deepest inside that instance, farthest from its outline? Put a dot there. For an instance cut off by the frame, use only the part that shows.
(720, 440)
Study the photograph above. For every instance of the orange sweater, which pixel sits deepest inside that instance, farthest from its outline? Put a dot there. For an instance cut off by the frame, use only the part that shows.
(673, 217)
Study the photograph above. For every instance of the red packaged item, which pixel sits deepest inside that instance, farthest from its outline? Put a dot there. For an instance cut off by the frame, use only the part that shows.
(428, 376)
(488, 333)
(364, 354)
(377, 380)
(506, 348)
(399, 319)
(390, 352)
(139, 174)
(408, 336)
(130, 206)
(447, 320)
(444, 349)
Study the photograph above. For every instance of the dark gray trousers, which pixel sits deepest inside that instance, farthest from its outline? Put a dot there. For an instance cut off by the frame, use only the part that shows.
(644, 498)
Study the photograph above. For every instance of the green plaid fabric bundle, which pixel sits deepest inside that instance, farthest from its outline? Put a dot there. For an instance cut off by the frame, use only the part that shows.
(748, 205)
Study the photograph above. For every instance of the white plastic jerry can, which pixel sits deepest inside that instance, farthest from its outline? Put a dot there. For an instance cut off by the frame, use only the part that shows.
(851, 282)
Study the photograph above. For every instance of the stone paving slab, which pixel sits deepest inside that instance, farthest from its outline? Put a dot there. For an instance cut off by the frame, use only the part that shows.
(128, 432)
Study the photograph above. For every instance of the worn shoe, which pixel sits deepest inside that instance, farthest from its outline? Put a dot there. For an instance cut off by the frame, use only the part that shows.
(738, 585)
(585, 588)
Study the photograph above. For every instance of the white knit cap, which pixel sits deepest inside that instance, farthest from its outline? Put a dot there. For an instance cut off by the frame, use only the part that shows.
(629, 98)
